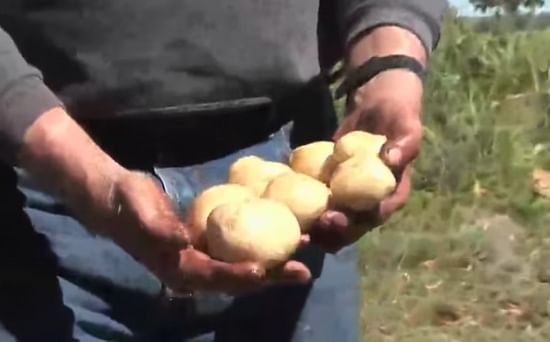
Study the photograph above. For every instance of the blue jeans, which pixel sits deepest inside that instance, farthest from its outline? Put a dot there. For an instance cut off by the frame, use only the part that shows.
(61, 283)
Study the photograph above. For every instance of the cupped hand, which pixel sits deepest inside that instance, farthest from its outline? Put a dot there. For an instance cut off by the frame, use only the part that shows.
(141, 219)
(390, 105)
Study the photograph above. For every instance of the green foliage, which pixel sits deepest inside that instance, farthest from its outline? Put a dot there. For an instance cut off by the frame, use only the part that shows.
(486, 112)
(466, 259)
(507, 6)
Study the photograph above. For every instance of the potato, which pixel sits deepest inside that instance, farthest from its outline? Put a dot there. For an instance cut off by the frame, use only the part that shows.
(255, 173)
(357, 143)
(306, 197)
(314, 159)
(256, 230)
(360, 182)
(208, 200)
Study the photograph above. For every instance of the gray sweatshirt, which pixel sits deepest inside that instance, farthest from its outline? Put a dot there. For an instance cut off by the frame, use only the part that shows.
(99, 57)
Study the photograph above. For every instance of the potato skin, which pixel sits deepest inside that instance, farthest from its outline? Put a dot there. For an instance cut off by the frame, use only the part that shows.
(358, 143)
(207, 201)
(255, 173)
(361, 182)
(257, 230)
(305, 196)
(314, 160)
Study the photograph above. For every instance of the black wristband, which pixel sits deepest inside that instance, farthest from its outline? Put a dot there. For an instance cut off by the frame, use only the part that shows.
(375, 65)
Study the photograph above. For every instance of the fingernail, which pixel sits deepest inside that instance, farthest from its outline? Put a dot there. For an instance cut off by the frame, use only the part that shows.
(330, 214)
(304, 240)
(394, 156)
(337, 218)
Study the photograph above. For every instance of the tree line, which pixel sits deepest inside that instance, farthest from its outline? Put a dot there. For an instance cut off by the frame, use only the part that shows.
(506, 6)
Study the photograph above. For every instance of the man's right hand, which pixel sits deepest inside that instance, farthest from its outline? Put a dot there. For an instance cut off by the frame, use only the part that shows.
(143, 222)
(131, 209)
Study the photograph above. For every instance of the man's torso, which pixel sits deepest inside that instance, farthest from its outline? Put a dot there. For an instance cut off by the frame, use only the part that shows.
(103, 57)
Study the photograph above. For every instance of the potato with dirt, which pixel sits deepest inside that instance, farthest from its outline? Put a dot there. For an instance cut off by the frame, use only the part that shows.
(257, 230)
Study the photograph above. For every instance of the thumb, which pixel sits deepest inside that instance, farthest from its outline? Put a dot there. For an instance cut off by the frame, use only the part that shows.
(402, 148)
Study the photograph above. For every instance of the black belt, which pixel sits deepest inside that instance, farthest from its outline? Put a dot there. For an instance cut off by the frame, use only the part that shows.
(191, 134)
(185, 135)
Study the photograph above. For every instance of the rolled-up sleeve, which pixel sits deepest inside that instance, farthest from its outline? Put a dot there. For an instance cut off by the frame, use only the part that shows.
(422, 17)
(23, 97)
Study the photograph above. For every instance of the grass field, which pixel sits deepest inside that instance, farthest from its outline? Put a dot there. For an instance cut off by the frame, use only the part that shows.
(469, 258)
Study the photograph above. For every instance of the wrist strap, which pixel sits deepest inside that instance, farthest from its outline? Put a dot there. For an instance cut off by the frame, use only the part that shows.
(375, 65)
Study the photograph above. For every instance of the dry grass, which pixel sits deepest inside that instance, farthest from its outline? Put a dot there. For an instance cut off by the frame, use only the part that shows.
(469, 258)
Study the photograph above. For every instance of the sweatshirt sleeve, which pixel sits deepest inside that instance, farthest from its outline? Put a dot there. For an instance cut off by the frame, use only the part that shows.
(422, 17)
(23, 98)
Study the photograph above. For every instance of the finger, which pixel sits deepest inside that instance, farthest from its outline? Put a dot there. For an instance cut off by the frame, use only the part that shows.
(292, 272)
(171, 238)
(334, 222)
(399, 197)
(249, 277)
(305, 240)
(349, 124)
(235, 275)
(403, 146)
(331, 231)
(132, 201)
(198, 271)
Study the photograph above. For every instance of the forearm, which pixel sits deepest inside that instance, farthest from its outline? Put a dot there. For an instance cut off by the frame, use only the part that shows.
(384, 41)
(39, 136)
(23, 98)
(61, 155)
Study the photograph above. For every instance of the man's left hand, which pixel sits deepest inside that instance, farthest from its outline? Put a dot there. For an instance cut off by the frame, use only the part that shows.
(389, 104)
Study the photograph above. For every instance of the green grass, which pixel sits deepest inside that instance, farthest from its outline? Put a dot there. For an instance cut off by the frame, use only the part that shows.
(468, 259)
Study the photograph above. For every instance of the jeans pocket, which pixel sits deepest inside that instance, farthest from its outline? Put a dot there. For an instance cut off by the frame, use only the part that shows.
(182, 184)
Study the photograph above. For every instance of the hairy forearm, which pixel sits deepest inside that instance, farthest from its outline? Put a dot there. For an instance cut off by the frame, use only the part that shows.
(60, 155)
(386, 40)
